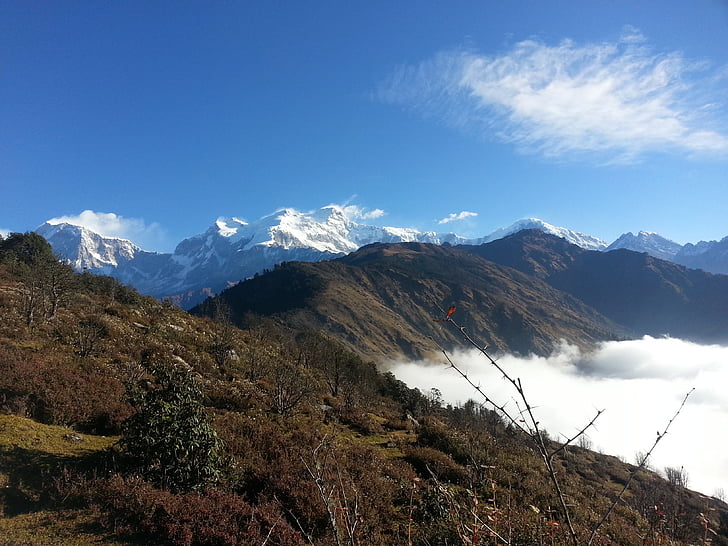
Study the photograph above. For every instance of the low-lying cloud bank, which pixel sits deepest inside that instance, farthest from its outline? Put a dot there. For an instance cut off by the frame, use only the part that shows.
(640, 385)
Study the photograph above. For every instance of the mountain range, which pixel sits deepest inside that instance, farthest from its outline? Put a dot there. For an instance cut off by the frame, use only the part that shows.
(232, 250)
(522, 293)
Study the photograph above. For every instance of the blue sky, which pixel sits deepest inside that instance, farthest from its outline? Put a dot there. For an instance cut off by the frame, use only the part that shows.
(159, 117)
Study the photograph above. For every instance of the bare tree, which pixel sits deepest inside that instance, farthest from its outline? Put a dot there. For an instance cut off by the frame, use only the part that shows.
(337, 491)
(676, 476)
(291, 387)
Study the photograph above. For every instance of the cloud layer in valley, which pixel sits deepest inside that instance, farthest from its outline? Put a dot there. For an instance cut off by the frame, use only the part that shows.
(640, 385)
(616, 99)
(109, 224)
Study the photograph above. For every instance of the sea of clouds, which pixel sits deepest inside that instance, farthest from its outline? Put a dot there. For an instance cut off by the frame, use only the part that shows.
(639, 383)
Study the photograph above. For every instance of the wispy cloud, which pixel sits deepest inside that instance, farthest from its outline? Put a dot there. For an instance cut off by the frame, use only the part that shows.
(618, 99)
(356, 212)
(639, 383)
(452, 217)
(109, 224)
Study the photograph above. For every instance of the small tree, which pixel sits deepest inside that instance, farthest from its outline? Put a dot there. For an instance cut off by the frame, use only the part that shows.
(44, 279)
(169, 440)
(677, 477)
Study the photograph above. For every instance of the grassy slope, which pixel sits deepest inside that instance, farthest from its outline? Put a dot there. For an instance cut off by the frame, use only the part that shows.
(31, 454)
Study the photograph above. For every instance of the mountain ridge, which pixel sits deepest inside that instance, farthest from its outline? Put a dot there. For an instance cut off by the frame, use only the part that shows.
(231, 249)
(640, 292)
(383, 299)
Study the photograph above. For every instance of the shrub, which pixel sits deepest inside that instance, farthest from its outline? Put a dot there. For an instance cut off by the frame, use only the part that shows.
(60, 393)
(427, 461)
(169, 440)
(132, 506)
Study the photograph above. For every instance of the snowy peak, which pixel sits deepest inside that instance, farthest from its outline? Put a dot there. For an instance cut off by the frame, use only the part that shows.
(580, 239)
(711, 256)
(85, 249)
(328, 230)
(325, 230)
(652, 243)
(228, 227)
(233, 249)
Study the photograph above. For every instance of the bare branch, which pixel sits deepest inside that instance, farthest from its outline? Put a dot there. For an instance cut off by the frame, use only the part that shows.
(637, 469)
(532, 424)
(577, 435)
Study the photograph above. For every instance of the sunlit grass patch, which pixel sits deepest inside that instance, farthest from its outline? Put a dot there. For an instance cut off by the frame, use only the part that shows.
(19, 432)
(56, 528)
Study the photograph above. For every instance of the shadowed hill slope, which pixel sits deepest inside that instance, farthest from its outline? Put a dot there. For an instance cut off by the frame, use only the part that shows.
(384, 299)
(643, 293)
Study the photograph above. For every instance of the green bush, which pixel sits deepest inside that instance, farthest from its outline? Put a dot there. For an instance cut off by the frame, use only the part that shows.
(169, 440)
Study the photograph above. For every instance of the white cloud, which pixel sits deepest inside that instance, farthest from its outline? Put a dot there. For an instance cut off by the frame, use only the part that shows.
(640, 384)
(452, 217)
(109, 224)
(355, 212)
(617, 99)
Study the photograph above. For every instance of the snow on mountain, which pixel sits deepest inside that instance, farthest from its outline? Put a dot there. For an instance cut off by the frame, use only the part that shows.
(574, 237)
(328, 230)
(711, 256)
(232, 249)
(701, 247)
(84, 249)
(653, 244)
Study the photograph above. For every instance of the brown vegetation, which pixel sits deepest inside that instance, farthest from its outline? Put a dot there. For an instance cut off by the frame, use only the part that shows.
(316, 445)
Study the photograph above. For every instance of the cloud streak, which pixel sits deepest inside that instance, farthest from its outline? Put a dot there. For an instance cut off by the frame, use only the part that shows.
(639, 383)
(109, 224)
(355, 212)
(619, 100)
(453, 217)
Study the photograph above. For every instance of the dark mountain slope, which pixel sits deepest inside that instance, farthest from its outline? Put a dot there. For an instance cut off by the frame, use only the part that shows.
(530, 251)
(383, 299)
(643, 293)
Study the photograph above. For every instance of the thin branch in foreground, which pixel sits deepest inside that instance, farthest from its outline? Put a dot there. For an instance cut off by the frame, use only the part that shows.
(531, 429)
(642, 464)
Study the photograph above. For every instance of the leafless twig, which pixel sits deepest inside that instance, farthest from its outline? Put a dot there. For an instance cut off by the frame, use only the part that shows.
(528, 424)
(642, 464)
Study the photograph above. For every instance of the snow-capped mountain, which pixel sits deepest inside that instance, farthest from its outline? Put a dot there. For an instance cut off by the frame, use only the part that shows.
(232, 249)
(86, 250)
(328, 229)
(646, 241)
(711, 256)
(574, 237)
(229, 251)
